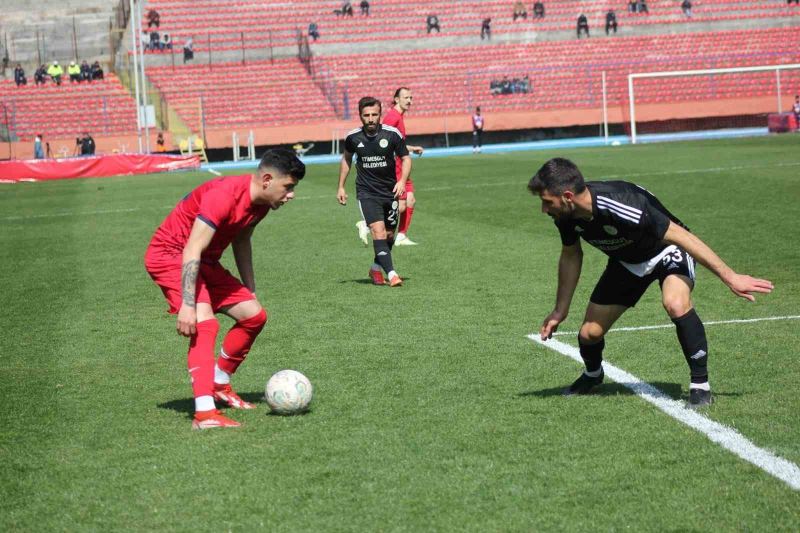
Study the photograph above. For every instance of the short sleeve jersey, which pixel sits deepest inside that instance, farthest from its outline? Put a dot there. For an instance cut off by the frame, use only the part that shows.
(477, 122)
(224, 204)
(628, 223)
(375, 166)
(395, 119)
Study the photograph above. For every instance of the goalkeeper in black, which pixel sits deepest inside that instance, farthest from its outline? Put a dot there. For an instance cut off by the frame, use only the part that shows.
(377, 186)
(644, 242)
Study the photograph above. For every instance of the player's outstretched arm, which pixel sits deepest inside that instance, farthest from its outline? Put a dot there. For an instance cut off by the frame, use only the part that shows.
(740, 284)
(199, 239)
(419, 150)
(243, 254)
(344, 170)
(569, 272)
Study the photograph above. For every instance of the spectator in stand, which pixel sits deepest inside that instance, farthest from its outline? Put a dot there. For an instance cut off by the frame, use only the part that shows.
(796, 111)
(97, 71)
(505, 86)
(494, 87)
(74, 71)
(633, 6)
(166, 42)
(55, 72)
(153, 19)
(38, 147)
(313, 31)
(583, 25)
(86, 144)
(486, 29)
(86, 71)
(160, 143)
(19, 76)
(433, 23)
(611, 21)
(519, 11)
(145, 40)
(797, 2)
(347, 9)
(477, 130)
(642, 7)
(39, 77)
(526, 84)
(155, 41)
(686, 7)
(364, 7)
(188, 50)
(538, 10)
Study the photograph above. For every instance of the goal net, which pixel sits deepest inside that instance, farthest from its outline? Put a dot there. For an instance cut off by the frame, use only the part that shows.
(709, 99)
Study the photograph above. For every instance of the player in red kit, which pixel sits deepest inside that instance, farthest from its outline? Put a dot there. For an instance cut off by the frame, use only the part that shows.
(183, 260)
(394, 117)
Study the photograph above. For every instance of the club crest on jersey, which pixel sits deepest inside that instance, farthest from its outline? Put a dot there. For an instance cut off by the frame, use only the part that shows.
(383, 143)
(611, 230)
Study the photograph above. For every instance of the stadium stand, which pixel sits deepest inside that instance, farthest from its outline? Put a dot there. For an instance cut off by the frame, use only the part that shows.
(103, 107)
(235, 95)
(563, 74)
(239, 23)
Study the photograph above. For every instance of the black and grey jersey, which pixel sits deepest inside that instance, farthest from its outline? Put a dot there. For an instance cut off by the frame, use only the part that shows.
(628, 223)
(375, 164)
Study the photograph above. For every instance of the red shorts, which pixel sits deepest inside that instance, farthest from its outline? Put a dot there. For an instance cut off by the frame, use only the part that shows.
(215, 285)
(409, 188)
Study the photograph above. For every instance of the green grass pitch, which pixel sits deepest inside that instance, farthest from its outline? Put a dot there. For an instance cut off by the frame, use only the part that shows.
(432, 410)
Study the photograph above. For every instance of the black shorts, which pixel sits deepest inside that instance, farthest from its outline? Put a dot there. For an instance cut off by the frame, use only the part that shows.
(376, 209)
(619, 286)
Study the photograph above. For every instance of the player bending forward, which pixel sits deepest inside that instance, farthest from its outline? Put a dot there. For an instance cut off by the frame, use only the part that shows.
(377, 187)
(183, 259)
(644, 243)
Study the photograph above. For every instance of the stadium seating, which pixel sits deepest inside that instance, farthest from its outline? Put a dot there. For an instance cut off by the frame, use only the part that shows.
(234, 95)
(564, 74)
(103, 107)
(229, 25)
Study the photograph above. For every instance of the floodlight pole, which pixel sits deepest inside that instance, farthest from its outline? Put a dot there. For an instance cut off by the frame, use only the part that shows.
(134, 38)
(143, 81)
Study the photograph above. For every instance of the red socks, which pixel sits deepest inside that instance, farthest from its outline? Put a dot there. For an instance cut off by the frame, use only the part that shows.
(238, 341)
(405, 220)
(201, 357)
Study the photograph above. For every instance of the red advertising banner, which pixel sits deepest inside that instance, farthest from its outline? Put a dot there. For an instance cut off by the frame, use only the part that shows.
(94, 166)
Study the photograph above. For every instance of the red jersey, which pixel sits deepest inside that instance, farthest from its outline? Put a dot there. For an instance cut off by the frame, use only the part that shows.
(394, 118)
(224, 204)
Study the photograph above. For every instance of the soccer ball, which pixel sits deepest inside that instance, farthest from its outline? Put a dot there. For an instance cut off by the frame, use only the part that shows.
(288, 392)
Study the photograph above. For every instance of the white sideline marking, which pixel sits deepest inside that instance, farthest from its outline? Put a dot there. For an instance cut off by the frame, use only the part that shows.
(728, 438)
(215, 172)
(711, 323)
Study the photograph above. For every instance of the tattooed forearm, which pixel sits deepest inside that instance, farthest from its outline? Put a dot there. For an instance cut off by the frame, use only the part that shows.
(189, 281)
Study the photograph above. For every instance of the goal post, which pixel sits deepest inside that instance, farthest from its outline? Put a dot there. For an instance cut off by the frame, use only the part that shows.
(716, 86)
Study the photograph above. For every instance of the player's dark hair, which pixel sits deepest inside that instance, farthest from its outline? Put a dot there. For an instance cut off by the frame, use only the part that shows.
(397, 92)
(284, 161)
(368, 101)
(556, 176)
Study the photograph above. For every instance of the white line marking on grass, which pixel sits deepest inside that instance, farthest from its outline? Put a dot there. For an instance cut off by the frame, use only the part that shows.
(215, 172)
(728, 438)
(710, 323)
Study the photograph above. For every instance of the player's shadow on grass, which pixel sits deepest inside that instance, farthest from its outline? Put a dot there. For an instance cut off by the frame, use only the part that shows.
(364, 281)
(673, 390)
(186, 405)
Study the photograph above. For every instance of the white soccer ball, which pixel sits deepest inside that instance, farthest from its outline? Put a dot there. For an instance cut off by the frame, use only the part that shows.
(288, 392)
